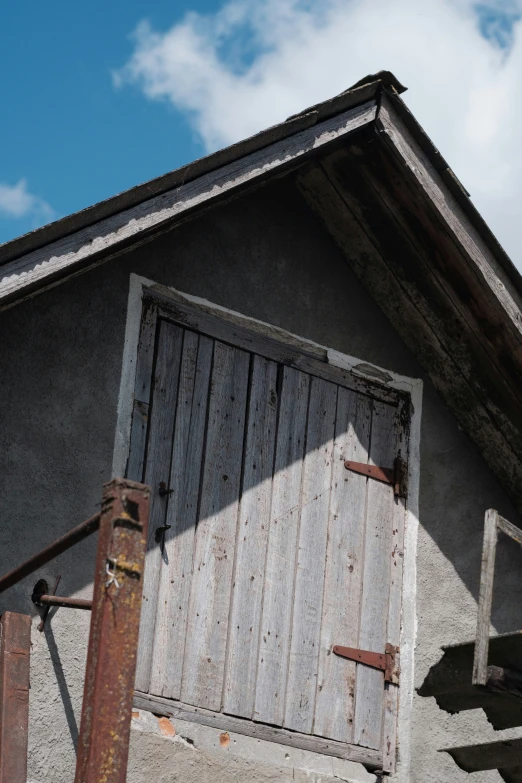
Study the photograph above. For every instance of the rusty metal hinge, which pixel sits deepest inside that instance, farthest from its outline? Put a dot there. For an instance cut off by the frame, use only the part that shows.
(388, 661)
(396, 476)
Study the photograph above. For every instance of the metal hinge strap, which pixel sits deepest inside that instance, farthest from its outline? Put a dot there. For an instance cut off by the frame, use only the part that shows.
(386, 662)
(397, 476)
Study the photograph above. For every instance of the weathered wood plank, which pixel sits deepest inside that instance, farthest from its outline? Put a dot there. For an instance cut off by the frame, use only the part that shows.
(465, 233)
(163, 413)
(393, 634)
(511, 530)
(252, 538)
(369, 688)
(276, 618)
(310, 566)
(473, 327)
(370, 758)
(142, 391)
(334, 707)
(106, 237)
(397, 294)
(176, 567)
(294, 355)
(487, 573)
(204, 659)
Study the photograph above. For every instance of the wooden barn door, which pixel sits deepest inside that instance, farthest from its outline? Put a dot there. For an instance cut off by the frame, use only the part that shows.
(265, 551)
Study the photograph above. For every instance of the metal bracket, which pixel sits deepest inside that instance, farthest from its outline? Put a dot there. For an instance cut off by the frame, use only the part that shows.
(397, 476)
(388, 662)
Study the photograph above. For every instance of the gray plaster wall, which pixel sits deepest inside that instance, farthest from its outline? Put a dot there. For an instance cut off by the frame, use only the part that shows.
(265, 256)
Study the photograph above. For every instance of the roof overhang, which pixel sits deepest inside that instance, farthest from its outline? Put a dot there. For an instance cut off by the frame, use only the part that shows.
(403, 221)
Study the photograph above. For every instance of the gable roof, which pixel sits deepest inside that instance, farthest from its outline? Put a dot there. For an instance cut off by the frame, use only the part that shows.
(394, 207)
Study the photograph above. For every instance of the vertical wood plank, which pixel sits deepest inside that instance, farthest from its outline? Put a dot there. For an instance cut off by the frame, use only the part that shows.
(344, 568)
(254, 523)
(309, 580)
(369, 689)
(487, 573)
(163, 412)
(274, 641)
(176, 566)
(393, 635)
(142, 391)
(204, 659)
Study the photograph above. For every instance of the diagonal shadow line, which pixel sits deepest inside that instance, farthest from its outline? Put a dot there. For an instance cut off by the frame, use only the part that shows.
(62, 684)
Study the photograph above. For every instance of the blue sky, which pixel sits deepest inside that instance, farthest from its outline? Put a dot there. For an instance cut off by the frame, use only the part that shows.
(66, 130)
(100, 97)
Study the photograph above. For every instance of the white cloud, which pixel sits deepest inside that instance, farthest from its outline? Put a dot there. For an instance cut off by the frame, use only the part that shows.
(255, 62)
(17, 202)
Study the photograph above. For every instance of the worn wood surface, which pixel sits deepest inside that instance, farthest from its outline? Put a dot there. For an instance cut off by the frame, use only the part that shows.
(511, 530)
(207, 628)
(369, 688)
(344, 567)
(393, 631)
(275, 552)
(479, 255)
(471, 324)
(487, 573)
(157, 469)
(295, 355)
(182, 512)
(311, 554)
(252, 537)
(370, 758)
(276, 618)
(106, 237)
(142, 392)
(388, 264)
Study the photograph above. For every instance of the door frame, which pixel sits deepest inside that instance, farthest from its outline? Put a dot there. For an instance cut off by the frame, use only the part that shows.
(356, 374)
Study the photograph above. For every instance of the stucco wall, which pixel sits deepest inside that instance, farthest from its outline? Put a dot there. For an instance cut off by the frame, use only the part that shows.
(267, 257)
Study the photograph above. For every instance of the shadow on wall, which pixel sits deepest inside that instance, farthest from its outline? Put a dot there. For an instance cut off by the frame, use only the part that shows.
(60, 384)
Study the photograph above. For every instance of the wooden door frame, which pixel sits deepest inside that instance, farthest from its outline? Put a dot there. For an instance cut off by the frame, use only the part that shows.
(332, 365)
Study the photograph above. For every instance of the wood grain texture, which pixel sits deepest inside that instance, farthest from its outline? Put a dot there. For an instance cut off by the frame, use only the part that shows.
(256, 454)
(487, 573)
(176, 565)
(465, 233)
(252, 538)
(370, 758)
(426, 256)
(511, 530)
(386, 263)
(276, 617)
(293, 354)
(157, 468)
(311, 554)
(98, 241)
(142, 392)
(204, 658)
(334, 707)
(369, 689)
(393, 633)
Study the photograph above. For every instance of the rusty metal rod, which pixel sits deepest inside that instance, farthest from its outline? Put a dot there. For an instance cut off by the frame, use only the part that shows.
(60, 600)
(71, 538)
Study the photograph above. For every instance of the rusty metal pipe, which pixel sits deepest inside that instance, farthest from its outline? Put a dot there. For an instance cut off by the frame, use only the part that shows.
(62, 544)
(60, 600)
(15, 646)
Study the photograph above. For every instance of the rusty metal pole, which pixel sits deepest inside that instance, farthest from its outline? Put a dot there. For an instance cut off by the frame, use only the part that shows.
(15, 646)
(103, 745)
